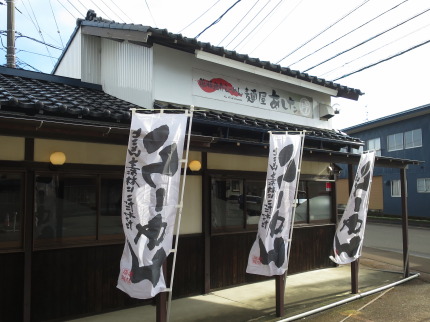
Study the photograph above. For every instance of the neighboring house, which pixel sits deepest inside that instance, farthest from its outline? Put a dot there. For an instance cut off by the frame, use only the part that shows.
(60, 233)
(402, 135)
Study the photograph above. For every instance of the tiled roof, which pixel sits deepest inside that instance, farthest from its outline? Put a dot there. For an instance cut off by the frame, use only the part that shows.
(29, 93)
(32, 93)
(177, 41)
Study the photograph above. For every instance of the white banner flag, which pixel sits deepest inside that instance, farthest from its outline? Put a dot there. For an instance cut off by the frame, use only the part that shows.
(149, 200)
(269, 254)
(348, 239)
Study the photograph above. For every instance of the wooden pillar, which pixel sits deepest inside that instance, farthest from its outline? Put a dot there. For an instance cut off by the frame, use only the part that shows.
(28, 229)
(404, 222)
(161, 301)
(354, 264)
(280, 294)
(206, 222)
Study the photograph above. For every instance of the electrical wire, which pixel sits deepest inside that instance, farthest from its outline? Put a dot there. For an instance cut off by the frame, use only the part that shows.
(365, 41)
(39, 30)
(371, 52)
(121, 10)
(383, 60)
(105, 15)
(320, 33)
(246, 14)
(58, 30)
(20, 35)
(31, 52)
(80, 13)
(146, 2)
(66, 9)
(199, 17)
(350, 32)
(263, 20)
(113, 11)
(273, 30)
(255, 16)
(217, 20)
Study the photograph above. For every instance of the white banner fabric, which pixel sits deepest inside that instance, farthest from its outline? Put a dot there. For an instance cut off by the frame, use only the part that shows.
(149, 200)
(349, 236)
(269, 254)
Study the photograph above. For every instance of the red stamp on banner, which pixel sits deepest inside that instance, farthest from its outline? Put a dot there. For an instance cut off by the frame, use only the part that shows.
(256, 260)
(126, 275)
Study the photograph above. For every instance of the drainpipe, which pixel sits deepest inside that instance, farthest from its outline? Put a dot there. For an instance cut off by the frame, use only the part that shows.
(10, 55)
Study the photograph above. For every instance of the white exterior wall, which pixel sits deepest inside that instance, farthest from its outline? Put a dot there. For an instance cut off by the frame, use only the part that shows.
(173, 82)
(70, 65)
(126, 71)
(90, 59)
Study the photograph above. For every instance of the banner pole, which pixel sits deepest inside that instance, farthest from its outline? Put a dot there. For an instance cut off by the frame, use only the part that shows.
(280, 279)
(179, 215)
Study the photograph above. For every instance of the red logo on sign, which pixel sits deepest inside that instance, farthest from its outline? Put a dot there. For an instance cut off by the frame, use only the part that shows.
(256, 260)
(217, 84)
(126, 276)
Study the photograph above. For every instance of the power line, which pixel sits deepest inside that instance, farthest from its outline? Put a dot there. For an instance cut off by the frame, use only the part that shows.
(365, 41)
(58, 30)
(112, 11)
(270, 12)
(146, 2)
(39, 30)
(31, 52)
(317, 35)
(218, 20)
(282, 21)
(199, 17)
(120, 10)
(383, 60)
(372, 51)
(249, 22)
(246, 14)
(107, 17)
(80, 13)
(66, 9)
(344, 35)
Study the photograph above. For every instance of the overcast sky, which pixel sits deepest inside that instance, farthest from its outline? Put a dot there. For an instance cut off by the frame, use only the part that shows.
(296, 33)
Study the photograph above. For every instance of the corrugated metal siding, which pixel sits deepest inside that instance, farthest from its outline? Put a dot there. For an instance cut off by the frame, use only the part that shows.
(126, 72)
(70, 66)
(91, 62)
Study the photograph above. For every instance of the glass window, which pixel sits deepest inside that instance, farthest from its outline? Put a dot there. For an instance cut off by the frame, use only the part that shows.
(413, 139)
(314, 202)
(395, 188)
(11, 201)
(395, 142)
(227, 204)
(423, 185)
(65, 209)
(374, 144)
(254, 201)
(110, 225)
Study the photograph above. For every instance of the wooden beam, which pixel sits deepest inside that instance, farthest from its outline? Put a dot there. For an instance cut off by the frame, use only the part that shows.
(206, 224)
(404, 222)
(280, 294)
(116, 34)
(354, 264)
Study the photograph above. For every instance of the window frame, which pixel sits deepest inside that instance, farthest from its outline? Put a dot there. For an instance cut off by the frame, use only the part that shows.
(426, 184)
(389, 147)
(253, 176)
(413, 143)
(84, 171)
(18, 245)
(395, 184)
(377, 151)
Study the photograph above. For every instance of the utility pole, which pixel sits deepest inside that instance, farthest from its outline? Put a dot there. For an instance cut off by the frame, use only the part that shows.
(10, 55)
